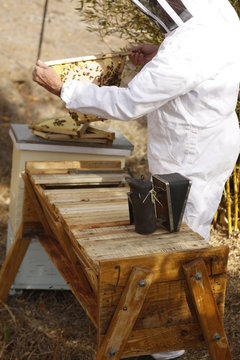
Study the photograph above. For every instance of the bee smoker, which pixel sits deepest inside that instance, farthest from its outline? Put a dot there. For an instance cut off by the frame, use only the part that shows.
(141, 205)
(172, 192)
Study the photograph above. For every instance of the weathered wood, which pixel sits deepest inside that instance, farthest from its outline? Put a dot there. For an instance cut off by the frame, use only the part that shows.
(67, 253)
(36, 205)
(96, 216)
(12, 263)
(93, 130)
(125, 242)
(167, 338)
(62, 167)
(167, 298)
(29, 214)
(91, 271)
(78, 179)
(86, 196)
(207, 311)
(166, 304)
(125, 315)
(30, 217)
(96, 249)
(64, 244)
(83, 208)
(92, 138)
(165, 266)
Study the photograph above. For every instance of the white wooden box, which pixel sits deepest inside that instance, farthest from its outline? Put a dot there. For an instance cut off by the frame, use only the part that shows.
(37, 271)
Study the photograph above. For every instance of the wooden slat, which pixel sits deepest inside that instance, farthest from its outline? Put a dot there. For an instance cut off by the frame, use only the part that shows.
(29, 214)
(62, 167)
(91, 268)
(207, 310)
(166, 267)
(171, 337)
(36, 205)
(75, 223)
(80, 179)
(105, 231)
(166, 303)
(65, 196)
(128, 232)
(61, 252)
(91, 139)
(80, 209)
(125, 315)
(65, 243)
(124, 242)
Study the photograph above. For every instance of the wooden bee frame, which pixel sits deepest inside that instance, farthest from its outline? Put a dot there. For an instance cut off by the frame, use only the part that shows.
(98, 69)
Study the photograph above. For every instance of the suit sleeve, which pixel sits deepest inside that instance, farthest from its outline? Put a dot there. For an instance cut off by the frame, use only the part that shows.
(174, 71)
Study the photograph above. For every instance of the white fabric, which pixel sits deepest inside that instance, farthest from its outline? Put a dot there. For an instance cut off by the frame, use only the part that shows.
(168, 355)
(189, 91)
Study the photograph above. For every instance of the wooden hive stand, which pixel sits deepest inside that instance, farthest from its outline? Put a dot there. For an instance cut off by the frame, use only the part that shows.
(143, 293)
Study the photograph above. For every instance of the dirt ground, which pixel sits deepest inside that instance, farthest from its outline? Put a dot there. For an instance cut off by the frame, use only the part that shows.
(51, 324)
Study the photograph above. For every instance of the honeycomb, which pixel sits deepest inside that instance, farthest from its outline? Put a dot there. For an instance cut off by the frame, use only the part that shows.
(100, 70)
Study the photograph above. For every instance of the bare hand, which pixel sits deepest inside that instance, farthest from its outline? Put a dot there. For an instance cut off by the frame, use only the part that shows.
(47, 78)
(143, 53)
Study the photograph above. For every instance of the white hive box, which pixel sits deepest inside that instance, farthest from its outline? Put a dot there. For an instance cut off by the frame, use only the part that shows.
(37, 271)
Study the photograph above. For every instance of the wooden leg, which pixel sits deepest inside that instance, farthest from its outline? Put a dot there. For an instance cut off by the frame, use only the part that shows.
(12, 263)
(54, 229)
(207, 310)
(59, 248)
(71, 276)
(126, 314)
(32, 196)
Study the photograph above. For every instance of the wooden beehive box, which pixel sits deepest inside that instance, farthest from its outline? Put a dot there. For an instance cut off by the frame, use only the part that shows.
(132, 286)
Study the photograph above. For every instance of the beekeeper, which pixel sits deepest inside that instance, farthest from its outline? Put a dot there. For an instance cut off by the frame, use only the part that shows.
(188, 89)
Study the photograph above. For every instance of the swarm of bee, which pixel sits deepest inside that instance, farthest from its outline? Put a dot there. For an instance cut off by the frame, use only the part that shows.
(100, 70)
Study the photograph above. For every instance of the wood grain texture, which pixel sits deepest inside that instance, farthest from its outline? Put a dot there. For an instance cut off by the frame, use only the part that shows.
(207, 310)
(36, 204)
(63, 167)
(123, 242)
(64, 243)
(78, 179)
(167, 303)
(126, 313)
(12, 263)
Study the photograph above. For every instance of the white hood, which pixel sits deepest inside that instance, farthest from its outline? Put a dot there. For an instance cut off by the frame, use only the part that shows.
(171, 14)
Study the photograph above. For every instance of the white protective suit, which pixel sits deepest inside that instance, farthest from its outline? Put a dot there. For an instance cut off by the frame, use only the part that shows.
(189, 92)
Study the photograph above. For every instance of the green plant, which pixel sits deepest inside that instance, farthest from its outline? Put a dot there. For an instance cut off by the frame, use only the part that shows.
(6, 333)
(121, 17)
